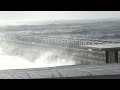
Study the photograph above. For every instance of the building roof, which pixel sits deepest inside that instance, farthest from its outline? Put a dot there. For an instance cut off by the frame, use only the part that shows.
(103, 46)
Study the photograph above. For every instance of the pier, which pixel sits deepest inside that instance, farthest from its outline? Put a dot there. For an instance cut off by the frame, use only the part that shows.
(111, 51)
(80, 49)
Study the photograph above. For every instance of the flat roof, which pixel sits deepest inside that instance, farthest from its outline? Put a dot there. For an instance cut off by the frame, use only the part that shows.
(103, 46)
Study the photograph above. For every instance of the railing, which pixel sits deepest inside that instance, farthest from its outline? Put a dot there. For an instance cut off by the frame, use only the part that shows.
(67, 42)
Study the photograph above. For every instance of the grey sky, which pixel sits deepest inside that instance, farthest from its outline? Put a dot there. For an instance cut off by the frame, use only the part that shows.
(11, 17)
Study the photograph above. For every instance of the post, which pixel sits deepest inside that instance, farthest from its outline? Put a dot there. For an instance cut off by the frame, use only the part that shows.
(111, 55)
(116, 56)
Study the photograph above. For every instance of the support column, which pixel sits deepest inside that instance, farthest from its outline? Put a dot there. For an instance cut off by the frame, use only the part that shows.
(116, 56)
(111, 56)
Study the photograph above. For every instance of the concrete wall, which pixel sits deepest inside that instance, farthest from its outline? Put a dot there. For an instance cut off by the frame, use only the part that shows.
(81, 56)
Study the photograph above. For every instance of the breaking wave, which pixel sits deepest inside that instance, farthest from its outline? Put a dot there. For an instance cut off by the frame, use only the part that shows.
(46, 59)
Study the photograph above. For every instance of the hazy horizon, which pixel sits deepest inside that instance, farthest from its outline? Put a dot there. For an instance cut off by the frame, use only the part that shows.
(21, 17)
